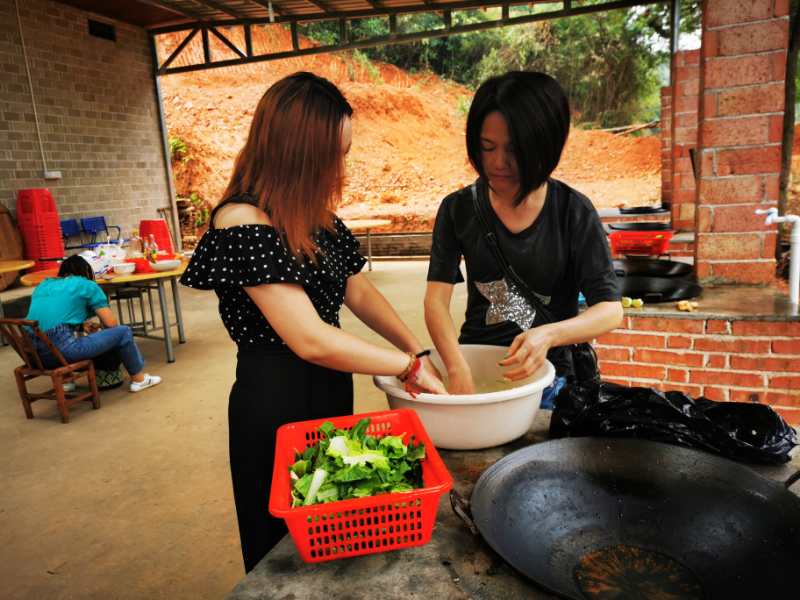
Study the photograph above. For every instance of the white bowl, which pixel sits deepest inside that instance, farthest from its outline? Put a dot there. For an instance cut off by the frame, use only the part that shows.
(166, 265)
(123, 268)
(481, 420)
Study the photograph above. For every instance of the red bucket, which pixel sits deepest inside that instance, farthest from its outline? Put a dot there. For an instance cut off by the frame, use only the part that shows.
(159, 230)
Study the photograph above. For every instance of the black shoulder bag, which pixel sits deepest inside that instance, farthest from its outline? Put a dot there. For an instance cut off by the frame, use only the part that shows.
(576, 361)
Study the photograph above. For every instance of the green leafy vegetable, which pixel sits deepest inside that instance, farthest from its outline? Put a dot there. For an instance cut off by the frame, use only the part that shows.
(352, 464)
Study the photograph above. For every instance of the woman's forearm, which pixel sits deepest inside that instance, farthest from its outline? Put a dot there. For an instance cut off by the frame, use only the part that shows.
(106, 316)
(594, 321)
(443, 333)
(294, 318)
(336, 349)
(372, 308)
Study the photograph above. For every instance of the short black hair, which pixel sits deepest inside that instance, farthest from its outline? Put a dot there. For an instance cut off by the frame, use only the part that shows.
(76, 265)
(536, 111)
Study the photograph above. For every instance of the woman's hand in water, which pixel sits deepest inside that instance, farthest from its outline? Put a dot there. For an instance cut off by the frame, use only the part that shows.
(527, 352)
(428, 364)
(428, 380)
(459, 381)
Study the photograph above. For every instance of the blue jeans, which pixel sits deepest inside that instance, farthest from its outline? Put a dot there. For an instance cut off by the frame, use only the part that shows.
(76, 347)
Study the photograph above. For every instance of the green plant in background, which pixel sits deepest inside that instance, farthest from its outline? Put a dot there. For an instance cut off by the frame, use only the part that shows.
(463, 105)
(610, 63)
(366, 64)
(202, 209)
(178, 150)
(603, 63)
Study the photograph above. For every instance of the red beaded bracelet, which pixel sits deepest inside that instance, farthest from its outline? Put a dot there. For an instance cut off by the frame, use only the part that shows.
(411, 378)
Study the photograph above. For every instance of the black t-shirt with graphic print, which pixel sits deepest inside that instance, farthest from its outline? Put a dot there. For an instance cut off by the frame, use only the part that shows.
(562, 253)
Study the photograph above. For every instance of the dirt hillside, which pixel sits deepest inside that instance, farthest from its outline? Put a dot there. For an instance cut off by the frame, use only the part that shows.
(408, 134)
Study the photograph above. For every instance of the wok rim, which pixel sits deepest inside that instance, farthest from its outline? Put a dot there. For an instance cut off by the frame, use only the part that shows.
(581, 448)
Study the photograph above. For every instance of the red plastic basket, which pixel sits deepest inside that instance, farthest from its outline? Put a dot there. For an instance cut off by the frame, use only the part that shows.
(369, 525)
(640, 242)
(43, 238)
(33, 203)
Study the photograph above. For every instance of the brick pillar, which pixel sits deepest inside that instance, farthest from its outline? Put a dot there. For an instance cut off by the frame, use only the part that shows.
(741, 118)
(666, 144)
(686, 101)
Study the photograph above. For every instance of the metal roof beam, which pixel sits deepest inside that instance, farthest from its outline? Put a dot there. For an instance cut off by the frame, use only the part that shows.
(189, 14)
(248, 40)
(266, 4)
(385, 12)
(221, 7)
(394, 37)
(320, 6)
(179, 49)
(228, 43)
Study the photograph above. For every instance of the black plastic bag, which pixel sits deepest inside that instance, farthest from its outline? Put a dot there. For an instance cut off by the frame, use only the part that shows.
(741, 431)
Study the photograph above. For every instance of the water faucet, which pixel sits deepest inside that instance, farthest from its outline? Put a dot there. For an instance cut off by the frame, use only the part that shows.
(794, 257)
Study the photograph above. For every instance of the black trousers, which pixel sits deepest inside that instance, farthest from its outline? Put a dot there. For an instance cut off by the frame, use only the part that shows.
(271, 390)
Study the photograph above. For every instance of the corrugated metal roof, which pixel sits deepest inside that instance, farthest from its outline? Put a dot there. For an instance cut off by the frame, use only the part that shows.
(212, 19)
(153, 14)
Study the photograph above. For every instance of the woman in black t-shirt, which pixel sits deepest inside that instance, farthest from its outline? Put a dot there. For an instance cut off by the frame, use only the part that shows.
(549, 233)
(282, 265)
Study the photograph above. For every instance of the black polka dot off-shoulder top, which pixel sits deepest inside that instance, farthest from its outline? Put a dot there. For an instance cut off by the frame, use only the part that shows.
(228, 260)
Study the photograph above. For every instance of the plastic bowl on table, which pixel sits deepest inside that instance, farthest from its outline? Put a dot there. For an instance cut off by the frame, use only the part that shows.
(480, 420)
(166, 265)
(124, 268)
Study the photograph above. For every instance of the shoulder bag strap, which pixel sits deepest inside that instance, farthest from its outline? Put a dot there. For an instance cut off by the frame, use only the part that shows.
(508, 270)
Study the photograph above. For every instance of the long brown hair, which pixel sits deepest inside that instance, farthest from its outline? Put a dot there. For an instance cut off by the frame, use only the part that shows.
(292, 164)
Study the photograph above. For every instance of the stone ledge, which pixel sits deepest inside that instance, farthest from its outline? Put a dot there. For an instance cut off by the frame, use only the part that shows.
(732, 303)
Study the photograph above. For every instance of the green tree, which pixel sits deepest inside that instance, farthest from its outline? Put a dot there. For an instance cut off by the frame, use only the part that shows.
(608, 62)
(602, 61)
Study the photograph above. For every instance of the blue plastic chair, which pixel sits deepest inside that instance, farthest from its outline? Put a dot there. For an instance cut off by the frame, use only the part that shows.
(71, 229)
(93, 226)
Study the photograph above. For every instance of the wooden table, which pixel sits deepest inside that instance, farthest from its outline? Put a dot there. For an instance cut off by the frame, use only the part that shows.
(12, 266)
(366, 225)
(9, 266)
(139, 280)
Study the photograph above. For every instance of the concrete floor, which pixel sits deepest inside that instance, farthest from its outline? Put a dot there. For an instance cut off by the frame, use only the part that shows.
(134, 500)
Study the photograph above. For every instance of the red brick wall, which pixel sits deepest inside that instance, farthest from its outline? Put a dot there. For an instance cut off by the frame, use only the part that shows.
(686, 86)
(739, 360)
(741, 118)
(666, 144)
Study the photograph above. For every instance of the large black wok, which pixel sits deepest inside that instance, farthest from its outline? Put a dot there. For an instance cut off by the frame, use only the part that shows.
(613, 518)
(649, 226)
(651, 267)
(659, 289)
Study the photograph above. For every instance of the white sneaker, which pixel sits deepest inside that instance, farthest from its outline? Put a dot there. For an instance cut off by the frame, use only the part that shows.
(69, 386)
(148, 381)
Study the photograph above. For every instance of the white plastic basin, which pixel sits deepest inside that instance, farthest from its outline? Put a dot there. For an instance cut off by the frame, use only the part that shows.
(481, 420)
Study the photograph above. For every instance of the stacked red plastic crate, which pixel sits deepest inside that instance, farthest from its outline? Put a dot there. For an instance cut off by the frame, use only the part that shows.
(37, 218)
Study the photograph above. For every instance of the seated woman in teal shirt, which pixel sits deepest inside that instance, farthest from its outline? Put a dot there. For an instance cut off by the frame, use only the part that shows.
(62, 305)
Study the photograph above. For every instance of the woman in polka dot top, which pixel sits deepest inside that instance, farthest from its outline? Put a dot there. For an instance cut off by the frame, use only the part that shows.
(282, 265)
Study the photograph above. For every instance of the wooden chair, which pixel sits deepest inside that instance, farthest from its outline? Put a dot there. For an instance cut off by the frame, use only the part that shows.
(13, 330)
